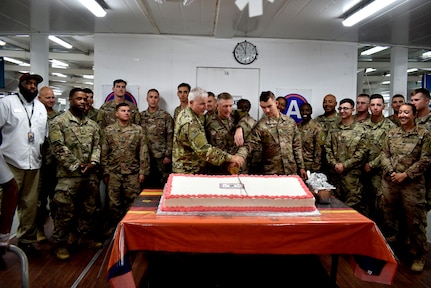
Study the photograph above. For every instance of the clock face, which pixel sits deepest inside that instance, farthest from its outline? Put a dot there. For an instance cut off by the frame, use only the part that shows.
(245, 52)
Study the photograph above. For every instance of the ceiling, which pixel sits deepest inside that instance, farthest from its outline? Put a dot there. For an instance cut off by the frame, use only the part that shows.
(405, 24)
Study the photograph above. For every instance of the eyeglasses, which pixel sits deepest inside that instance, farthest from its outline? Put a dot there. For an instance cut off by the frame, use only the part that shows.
(344, 108)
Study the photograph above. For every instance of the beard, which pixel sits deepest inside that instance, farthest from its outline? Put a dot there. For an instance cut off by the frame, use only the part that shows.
(28, 95)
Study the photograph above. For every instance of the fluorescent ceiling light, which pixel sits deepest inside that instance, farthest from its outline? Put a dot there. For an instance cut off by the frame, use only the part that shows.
(94, 7)
(87, 83)
(59, 41)
(426, 54)
(2, 43)
(58, 64)
(369, 70)
(59, 74)
(88, 76)
(386, 82)
(373, 50)
(366, 11)
(16, 61)
(412, 70)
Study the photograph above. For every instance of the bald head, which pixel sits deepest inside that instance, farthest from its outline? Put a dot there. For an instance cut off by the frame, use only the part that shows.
(47, 97)
(329, 104)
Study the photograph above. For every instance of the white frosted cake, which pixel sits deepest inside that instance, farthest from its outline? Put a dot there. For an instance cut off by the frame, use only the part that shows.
(242, 193)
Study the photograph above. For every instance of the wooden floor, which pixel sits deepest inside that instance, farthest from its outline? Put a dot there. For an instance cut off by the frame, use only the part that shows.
(87, 268)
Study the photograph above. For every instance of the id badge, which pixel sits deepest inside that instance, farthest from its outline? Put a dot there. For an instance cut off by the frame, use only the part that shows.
(30, 136)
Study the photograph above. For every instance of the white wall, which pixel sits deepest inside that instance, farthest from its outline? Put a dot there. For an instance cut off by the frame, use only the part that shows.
(162, 62)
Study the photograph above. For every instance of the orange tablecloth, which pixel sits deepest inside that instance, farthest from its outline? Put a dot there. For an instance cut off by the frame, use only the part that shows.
(335, 231)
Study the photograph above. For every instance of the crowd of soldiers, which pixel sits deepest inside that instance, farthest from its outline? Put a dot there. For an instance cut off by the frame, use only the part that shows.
(377, 164)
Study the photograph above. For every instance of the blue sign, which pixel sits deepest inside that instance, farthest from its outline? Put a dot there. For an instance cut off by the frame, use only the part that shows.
(294, 102)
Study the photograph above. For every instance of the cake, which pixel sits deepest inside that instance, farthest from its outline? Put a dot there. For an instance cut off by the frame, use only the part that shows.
(236, 193)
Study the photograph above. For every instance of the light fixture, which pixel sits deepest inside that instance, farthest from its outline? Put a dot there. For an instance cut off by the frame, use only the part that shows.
(59, 41)
(88, 76)
(58, 64)
(412, 70)
(386, 82)
(373, 50)
(426, 54)
(369, 70)
(366, 11)
(59, 74)
(94, 7)
(184, 2)
(16, 61)
(2, 43)
(255, 7)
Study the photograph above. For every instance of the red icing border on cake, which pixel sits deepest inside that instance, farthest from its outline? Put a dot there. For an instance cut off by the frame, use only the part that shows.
(167, 195)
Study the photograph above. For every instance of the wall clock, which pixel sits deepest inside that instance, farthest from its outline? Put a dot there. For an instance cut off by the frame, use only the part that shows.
(245, 52)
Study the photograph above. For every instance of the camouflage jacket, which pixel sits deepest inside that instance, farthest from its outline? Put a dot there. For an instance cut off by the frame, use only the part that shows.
(159, 128)
(408, 152)
(280, 142)
(106, 115)
(394, 119)
(312, 138)
(424, 122)
(191, 149)
(177, 112)
(220, 132)
(326, 122)
(47, 155)
(124, 150)
(92, 113)
(377, 133)
(347, 145)
(247, 124)
(74, 141)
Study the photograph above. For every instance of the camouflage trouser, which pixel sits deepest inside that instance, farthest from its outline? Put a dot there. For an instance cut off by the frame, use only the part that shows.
(122, 191)
(349, 188)
(48, 181)
(75, 199)
(372, 195)
(405, 204)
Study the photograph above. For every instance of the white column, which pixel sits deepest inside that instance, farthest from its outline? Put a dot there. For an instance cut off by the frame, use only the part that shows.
(399, 66)
(39, 56)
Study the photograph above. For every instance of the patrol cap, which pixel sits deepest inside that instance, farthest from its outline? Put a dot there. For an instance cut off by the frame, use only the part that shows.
(27, 76)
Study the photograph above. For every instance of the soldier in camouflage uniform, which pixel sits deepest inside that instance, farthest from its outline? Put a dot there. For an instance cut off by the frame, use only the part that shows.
(421, 99)
(159, 127)
(183, 91)
(406, 154)
(346, 147)
(397, 101)
(106, 114)
(211, 105)
(220, 129)
(312, 139)
(377, 127)
(90, 110)
(125, 162)
(75, 142)
(245, 123)
(278, 137)
(362, 107)
(330, 116)
(191, 150)
(48, 178)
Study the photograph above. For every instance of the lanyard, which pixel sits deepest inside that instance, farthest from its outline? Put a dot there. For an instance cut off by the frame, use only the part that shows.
(26, 112)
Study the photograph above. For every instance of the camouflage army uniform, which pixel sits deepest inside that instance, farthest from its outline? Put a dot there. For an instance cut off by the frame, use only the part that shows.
(191, 150)
(394, 119)
(355, 117)
(177, 112)
(426, 123)
(106, 115)
(408, 152)
(326, 123)
(312, 138)
(347, 145)
(159, 128)
(92, 113)
(373, 180)
(220, 133)
(48, 180)
(280, 141)
(74, 141)
(124, 157)
(252, 165)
